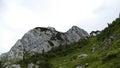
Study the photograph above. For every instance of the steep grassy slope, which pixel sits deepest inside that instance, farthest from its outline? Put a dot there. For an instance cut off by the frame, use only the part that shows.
(101, 51)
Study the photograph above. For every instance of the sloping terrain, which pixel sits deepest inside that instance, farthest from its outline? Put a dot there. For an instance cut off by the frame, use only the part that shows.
(101, 51)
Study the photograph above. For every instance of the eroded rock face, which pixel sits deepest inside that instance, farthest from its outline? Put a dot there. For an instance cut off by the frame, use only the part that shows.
(42, 39)
(16, 52)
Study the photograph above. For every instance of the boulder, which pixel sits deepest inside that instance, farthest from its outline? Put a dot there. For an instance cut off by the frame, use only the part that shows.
(31, 65)
(78, 67)
(14, 66)
(82, 55)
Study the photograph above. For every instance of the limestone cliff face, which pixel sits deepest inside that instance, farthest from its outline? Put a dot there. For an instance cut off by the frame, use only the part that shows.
(42, 39)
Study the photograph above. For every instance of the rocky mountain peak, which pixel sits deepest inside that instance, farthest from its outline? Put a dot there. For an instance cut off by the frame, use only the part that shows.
(75, 34)
(45, 29)
(75, 27)
(41, 39)
(51, 28)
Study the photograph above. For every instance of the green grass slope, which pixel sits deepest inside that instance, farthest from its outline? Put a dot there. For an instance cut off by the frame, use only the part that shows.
(103, 51)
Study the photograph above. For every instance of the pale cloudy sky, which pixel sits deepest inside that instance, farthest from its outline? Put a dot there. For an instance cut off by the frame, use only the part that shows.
(19, 16)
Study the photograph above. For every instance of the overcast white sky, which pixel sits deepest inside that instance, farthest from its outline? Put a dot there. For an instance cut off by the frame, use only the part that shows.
(19, 16)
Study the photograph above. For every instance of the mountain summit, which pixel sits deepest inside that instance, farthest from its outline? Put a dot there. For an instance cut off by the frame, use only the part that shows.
(41, 39)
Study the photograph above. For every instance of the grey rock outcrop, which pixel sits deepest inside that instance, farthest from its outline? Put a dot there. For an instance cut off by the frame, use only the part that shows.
(40, 39)
(75, 34)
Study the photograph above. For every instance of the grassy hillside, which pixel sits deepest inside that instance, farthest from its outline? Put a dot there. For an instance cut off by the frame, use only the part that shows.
(101, 51)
